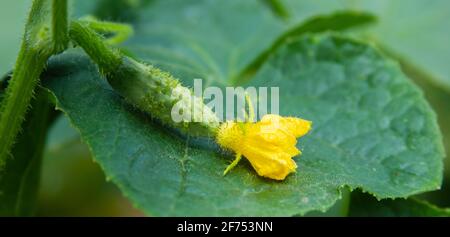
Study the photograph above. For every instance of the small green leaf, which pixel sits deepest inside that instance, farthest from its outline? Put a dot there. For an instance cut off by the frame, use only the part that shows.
(373, 130)
(365, 205)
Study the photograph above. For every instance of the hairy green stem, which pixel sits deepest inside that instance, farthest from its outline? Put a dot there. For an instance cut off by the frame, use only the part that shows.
(29, 151)
(17, 99)
(121, 32)
(60, 25)
(20, 180)
(36, 48)
(107, 57)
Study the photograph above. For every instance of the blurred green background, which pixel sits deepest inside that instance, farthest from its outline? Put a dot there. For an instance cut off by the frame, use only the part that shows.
(73, 185)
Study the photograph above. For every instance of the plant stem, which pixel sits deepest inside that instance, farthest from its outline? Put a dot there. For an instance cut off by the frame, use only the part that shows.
(60, 25)
(107, 58)
(121, 32)
(20, 180)
(36, 48)
(278, 8)
(18, 95)
(345, 202)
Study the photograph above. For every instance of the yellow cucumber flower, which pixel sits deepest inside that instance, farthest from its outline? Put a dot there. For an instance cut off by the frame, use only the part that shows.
(269, 144)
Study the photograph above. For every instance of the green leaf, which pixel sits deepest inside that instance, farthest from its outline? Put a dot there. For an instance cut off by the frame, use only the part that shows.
(338, 21)
(61, 134)
(418, 32)
(19, 181)
(302, 10)
(373, 130)
(221, 43)
(339, 209)
(415, 31)
(439, 100)
(73, 185)
(203, 38)
(365, 205)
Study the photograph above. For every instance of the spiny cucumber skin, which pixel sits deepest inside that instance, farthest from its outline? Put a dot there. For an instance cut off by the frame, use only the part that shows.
(156, 92)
